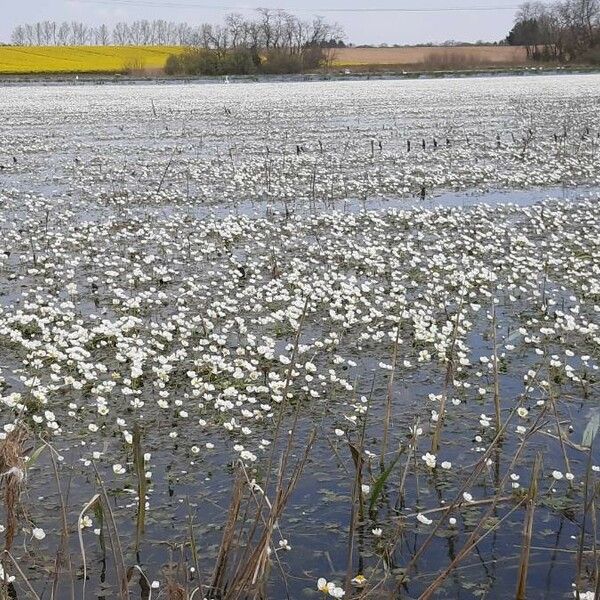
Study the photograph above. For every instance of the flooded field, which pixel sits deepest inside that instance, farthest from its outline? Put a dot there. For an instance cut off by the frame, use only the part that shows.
(301, 340)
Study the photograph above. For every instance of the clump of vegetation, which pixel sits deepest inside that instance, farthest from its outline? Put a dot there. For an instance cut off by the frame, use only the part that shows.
(276, 42)
(135, 65)
(205, 61)
(244, 61)
(565, 31)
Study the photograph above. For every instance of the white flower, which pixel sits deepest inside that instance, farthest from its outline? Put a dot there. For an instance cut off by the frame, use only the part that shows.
(446, 464)
(423, 519)
(377, 532)
(429, 459)
(85, 521)
(4, 577)
(335, 591)
(467, 497)
(118, 469)
(557, 475)
(585, 595)
(247, 455)
(365, 488)
(38, 533)
(416, 431)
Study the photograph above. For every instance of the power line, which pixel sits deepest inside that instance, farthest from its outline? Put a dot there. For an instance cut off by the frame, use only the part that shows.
(157, 4)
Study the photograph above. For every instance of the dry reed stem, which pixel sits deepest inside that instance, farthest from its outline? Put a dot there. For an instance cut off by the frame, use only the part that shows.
(390, 394)
(138, 460)
(218, 578)
(89, 505)
(476, 469)
(23, 576)
(472, 541)
(435, 442)
(115, 542)
(495, 371)
(521, 593)
(12, 473)
(357, 457)
(283, 463)
(253, 569)
(175, 591)
(63, 553)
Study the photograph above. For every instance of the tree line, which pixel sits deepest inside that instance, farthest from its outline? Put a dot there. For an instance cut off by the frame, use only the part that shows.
(275, 41)
(564, 31)
(271, 29)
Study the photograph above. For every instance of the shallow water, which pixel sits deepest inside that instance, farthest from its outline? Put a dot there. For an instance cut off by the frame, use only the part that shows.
(119, 254)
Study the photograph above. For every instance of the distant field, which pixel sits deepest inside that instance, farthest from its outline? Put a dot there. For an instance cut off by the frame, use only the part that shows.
(119, 59)
(83, 59)
(442, 57)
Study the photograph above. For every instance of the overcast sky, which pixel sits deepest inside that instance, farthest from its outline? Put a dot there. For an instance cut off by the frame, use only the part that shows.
(491, 23)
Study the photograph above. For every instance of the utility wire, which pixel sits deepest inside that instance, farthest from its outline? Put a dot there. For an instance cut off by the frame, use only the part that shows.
(157, 4)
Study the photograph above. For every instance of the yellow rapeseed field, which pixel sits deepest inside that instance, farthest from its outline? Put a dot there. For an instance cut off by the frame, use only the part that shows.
(83, 59)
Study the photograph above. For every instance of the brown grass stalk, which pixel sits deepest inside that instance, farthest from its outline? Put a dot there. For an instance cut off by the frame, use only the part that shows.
(12, 474)
(521, 593)
(473, 539)
(390, 396)
(138, 462)
(63, 554)
(115, 542)
(448, 381)
(495, 371)
(219, 573)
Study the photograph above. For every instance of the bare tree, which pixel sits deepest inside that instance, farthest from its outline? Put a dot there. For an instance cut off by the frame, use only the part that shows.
(237, 27)
(102, 35)
(270, 30)
(18, 36)
(29, 35)
(184, 35)
(565, 30)
(63, 34)
(120, 34)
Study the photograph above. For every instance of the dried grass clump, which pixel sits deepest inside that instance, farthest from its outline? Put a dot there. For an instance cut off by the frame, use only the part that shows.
(12, 474)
